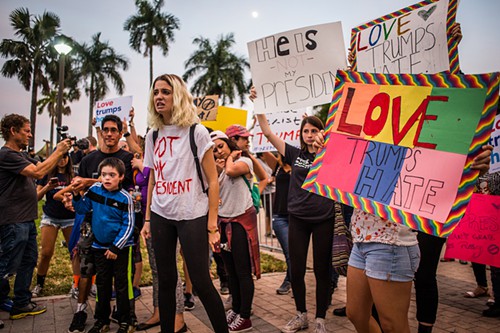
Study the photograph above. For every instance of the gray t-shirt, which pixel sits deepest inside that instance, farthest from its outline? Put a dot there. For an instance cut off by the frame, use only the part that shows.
(18, 199)
(234, 192)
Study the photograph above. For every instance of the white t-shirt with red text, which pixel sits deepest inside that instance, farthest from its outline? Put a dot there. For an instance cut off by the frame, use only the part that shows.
(177, 193)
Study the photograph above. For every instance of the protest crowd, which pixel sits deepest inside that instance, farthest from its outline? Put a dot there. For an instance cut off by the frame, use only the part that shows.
(188, 192)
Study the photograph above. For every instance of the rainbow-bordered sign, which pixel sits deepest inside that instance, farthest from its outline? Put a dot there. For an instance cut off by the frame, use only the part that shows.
(400, 146)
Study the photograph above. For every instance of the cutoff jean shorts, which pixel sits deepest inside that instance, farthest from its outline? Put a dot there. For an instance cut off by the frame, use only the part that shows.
(57, 223)
(386, 262)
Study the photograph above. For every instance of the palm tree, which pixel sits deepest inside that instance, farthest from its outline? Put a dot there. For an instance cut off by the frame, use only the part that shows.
(98, 62)
(150, 27)
(220, 72)
(30, 55)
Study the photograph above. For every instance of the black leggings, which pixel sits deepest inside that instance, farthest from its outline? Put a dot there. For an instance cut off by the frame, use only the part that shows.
(239, 269)
(298, 239)
(426, 289)
(193, 237)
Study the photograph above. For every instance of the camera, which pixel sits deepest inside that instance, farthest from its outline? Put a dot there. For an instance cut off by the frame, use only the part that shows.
(82, 144)
(62, 130)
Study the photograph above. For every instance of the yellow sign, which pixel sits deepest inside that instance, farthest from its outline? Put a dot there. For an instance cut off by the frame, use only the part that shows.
(227, 117)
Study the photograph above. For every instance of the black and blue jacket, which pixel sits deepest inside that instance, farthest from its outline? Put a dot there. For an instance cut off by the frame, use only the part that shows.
(113, 217)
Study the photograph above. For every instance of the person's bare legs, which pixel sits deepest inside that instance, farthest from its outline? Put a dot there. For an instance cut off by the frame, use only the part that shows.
(179, 321)
(138, 274)
(48, 241)
(360, 302)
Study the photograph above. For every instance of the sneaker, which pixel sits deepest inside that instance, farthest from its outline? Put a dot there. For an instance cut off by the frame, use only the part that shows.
(224, 289)
(240, 324)
(297, 323)
(320, 326)
(285, 288)
(1, 324)
(340, 312)
(32, 309)
(78, 322)
(126, 328)
(114, 315)
(93, 291)
(6, 305)
(37, 291)
(230, 316)
(99, 327)
(228, 303)
(188, 302)
(73, 292)
(137, 293)
(492, 312)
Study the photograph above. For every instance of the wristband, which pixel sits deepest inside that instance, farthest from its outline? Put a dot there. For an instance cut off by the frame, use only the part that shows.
(147, 221)
(127, 134)
(213, 231)
(131, 124)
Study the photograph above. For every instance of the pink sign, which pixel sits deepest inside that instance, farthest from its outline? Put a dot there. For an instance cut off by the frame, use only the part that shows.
(477, 236)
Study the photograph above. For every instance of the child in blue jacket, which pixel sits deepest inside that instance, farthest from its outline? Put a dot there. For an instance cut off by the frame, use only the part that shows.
(112, 226)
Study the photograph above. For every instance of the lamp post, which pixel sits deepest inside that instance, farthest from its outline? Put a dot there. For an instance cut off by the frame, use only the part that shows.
(63, 50)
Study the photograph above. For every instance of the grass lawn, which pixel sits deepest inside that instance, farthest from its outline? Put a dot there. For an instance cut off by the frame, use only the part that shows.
(60, 276)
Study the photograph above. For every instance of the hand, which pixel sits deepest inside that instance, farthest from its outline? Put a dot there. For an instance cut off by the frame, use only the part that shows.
(124, 125)
(137, 163)
(50, 186)
(64, 146)
(68, 201)
(146, 231)
(235, 154)
(351, 57)
(482, 161)
(110, 255)
(213, 239)
(78, 184)
(220, 164)
(94, 121)
(456, 32)
(253, 93)
(270, 180)
(131, 114)
(319, 141)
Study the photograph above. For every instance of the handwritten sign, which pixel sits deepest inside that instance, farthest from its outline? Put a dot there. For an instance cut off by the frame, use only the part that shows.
(415, 39)
(296, 68)
(226, 117)
(119, 106)
(477, 236)
(207, 107)
(400, 146)
(495, 142)
(286, 125)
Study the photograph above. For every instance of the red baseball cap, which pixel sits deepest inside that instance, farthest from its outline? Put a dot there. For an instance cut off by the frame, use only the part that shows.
(237, 130)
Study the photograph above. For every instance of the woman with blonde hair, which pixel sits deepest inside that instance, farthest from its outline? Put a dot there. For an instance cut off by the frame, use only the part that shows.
(181, 155)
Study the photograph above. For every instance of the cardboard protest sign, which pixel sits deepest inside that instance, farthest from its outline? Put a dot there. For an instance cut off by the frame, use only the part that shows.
(227, 117)
(207, 107)
(400, 146)
(495, 142)
(119, 106)
(415, 39)
(296, 68)
(286, 125)
(477, 236)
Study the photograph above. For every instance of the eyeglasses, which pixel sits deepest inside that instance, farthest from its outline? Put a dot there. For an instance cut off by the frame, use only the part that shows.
(112, 130)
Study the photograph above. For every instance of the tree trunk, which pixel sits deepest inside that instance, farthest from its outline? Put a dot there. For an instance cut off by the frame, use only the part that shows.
(150, 66)
(91, 105)
(51, 133)
(34, 92)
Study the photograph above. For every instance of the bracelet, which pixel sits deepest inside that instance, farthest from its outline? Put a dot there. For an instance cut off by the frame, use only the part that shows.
(147, 221)
(213, 231)
(131, 124)
(127, 134)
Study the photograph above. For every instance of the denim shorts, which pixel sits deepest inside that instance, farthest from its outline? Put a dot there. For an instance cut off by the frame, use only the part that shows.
(57, 223)
(386, 262)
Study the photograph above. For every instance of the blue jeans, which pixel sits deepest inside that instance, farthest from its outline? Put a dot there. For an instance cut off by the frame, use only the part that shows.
(18, 255)
(280, 227)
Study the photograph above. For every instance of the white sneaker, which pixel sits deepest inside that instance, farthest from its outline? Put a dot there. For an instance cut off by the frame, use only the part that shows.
(36, 291)
(320, 326)
(297, 323)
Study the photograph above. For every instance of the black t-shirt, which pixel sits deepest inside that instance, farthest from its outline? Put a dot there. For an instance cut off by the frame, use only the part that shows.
(54, 208)
(18, 199)
(301, 203)
(89, 166)
(282, 179)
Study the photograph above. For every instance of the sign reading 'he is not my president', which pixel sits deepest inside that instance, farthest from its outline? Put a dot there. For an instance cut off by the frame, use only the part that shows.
(296, 68)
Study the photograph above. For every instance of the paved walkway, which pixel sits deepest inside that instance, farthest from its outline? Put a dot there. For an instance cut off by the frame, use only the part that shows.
(271, 311)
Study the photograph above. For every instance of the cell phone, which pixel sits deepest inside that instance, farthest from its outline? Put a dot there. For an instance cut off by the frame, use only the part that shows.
(54, 181)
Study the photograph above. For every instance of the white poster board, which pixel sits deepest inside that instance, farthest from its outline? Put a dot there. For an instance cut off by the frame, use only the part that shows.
(296, 68)
(411, 41)
(495, 142)
(119, 106)
(285, 124)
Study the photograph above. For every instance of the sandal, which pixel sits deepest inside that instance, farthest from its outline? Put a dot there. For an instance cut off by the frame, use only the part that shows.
(478, 292)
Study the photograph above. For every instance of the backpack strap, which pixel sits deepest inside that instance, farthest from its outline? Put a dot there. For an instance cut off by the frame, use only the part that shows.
(155, 136)
(194, 150)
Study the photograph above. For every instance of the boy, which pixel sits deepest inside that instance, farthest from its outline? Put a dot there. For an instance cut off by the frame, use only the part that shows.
(112, 226)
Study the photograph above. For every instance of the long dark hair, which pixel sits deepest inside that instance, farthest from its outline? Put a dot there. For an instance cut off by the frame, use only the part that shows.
(232, 146)
(313, 120)
(68, 170)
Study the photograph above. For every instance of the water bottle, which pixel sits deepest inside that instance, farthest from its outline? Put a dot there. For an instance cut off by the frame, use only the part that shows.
(137, 196)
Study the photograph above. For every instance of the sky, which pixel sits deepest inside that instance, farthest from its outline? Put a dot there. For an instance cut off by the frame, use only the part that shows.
(479, 50)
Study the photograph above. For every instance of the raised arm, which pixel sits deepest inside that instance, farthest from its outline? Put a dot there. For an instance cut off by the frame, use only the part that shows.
(41, 169)
(278, 143)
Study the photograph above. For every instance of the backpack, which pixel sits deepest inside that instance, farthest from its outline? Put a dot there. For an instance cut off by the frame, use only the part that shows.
(194, 150)
(254, 193)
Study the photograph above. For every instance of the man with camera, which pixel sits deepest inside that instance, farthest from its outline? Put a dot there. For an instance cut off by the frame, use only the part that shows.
(19, 207)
